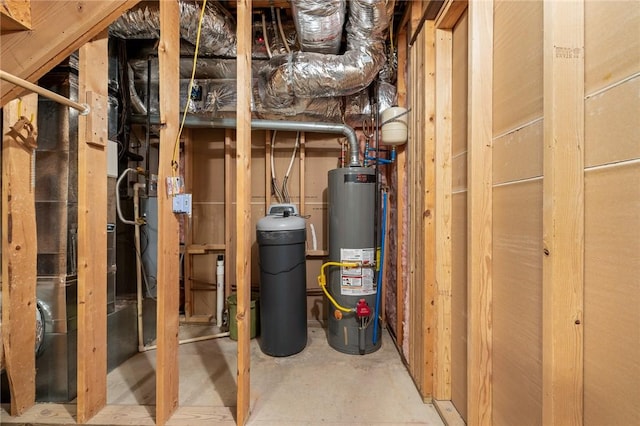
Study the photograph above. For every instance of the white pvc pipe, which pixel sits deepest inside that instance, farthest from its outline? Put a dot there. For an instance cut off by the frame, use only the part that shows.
(192, 340)
(219, 291)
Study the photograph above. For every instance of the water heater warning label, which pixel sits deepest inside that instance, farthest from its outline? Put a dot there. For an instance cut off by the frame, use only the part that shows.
(357, 281)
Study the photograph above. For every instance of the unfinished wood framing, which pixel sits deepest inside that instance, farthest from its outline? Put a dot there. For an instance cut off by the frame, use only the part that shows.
(443, 206)
(188, 229)
(243, 208)
(426, 343)
(563, 214)
(450, 13)
(19, 254)
(59, 29)
(167, 379)
(479, 219)
(92, 231)
(401, 184)
(416, 84)
(302, 152)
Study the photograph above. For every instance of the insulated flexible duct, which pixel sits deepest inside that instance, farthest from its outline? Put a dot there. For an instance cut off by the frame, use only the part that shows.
(319, 24)
(308, 74)
(218, 37)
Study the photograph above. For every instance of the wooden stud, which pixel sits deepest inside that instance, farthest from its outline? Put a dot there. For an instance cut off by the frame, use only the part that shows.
(92, 231)
(167, 379)
(243, 208)
(401, 167)
(228, 211)
(480, 216)
(563, 214)
(188, 231)
(302, 154)
(428, 194)
(443, 203)
(59, 29)
(267, 170)
(19, 257)
(415, 201)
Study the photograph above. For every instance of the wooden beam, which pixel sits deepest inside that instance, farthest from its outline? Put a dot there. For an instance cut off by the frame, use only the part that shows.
(429, 315)
(167, 379)
(243, 208)
(401, 167)
(19, 256)
(443, 207)
(450, 13)
(59, 29)
(480, 216)
(92, 230)
(563, 214)
(15, 15)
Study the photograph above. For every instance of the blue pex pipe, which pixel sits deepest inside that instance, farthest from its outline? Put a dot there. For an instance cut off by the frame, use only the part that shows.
(380, 270)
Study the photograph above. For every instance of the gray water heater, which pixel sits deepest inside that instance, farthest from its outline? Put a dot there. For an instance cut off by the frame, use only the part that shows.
(352, 194)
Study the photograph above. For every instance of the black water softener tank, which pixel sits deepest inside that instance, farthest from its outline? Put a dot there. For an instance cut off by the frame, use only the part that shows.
(283, 300)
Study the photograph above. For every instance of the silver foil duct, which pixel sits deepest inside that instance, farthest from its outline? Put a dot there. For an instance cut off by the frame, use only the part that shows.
(218, 35)
(319, 24)
(308, 74)
(358, 106)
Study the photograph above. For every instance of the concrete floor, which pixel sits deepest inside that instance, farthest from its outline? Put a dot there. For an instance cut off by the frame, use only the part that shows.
(317, 386)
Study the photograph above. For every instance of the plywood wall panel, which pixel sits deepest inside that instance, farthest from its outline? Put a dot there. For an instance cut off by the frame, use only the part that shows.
(459, 303)
(459, 172)
(517, 64)
(518, 155)
(208, 165)
(612, 42)
(612, 124)
(517, 303)
(207, 223)
(612, 296)
(459, 89)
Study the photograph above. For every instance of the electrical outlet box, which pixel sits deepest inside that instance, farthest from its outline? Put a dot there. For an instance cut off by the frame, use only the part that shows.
(182, 204)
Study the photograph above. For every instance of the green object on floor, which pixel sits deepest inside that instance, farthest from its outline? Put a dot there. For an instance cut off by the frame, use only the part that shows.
(232, 302)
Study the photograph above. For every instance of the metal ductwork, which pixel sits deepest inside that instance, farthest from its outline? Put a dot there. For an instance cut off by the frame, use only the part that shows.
(309, 74)
(218, 34)
(319, 24)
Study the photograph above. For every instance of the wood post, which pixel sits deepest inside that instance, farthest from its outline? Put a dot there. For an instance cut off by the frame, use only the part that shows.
(428, 193)
(167, 379)
(480, 216)
(443, 203)
(19, 256)
(563, 214)
(92, 231)
(243, 207)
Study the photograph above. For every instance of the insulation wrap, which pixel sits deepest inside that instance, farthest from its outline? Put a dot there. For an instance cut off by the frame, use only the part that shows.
(218, 35)
(319, 24)
(309, 74)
